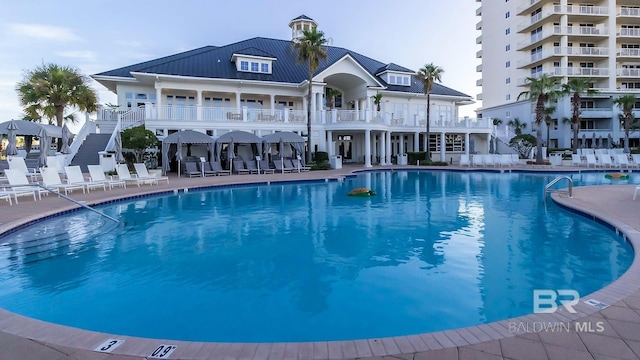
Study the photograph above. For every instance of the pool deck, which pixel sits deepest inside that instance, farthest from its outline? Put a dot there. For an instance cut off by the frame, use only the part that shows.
(612, 333)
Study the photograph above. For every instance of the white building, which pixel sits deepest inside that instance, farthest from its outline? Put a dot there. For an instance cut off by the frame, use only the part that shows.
(257, 85)
(596, 39)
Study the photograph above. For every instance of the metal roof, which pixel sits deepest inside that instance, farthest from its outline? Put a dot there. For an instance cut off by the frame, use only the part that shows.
(188, 137)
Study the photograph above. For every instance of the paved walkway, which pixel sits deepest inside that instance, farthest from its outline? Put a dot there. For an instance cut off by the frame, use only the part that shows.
(619, 338)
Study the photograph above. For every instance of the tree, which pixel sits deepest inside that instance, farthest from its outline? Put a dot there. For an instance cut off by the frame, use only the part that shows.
(496, 122)
(626, 104)
(311, 50)
(523, 143)
(541, 90)
(517, 125)
(576, 87)
(48, 90)
(138, 139)
(428, 75)
(548, 111)
(332, 93)
(377, 99)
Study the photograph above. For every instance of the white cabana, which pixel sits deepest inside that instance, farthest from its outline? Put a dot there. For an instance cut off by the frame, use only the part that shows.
(237, 137)
(184, 137)
(284, 137)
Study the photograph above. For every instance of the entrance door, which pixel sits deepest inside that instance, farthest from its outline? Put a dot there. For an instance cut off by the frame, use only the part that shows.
(345, 147)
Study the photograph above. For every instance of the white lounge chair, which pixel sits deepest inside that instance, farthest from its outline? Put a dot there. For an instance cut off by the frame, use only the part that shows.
(636, 160)
(123, 174)
(477, 160)
(75, 177)
(515, 160)
(604, 160)
(51, 179)
(635, 192)
(143, 173)
(622, 160)
(18, 185)
(52, 162)
(6, 195)
(97, 176)
(591, 160)
(17, 163)
(576, 160)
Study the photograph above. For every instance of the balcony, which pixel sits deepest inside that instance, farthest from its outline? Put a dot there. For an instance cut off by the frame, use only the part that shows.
(582, 71)
(534, 40)
(479, 82)
(479, 25)
(479, 54)
(528, 6)
(628, 33)
(628, 73)
(534, 21)
(479, 40)
(586, 51)
(628, 53)
(479, 11)
(586, 13)
(479, 97)
(539, 57)
(479, 68)
(628, 12)
(596, 113)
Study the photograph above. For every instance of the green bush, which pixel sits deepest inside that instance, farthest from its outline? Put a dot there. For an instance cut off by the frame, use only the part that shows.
(433, 163)
(320, 166)
(320, 157)
(414, 157)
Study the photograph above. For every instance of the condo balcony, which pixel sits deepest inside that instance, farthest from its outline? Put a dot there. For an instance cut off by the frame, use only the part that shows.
(627, 53)
(628, 33)
(582, 71)
(628, 73)
(576, 33)
(479, 54)
(628, 13)
(479, 68)
(528, 6)
(596, 113)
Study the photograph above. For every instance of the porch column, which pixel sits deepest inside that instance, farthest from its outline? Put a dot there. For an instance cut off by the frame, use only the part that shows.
(357, 108)
(466, 144)
(424, 141)
(330, 143)
(488, 143)
(199, 104)
(158, 101)
(375, 151)
(388, 150)
(304, 107)
(313, 109)
(443, 147)
(272, 103)
(367, 148)
(238, 107)
(416, 141)
(368, 111)
(383, 149)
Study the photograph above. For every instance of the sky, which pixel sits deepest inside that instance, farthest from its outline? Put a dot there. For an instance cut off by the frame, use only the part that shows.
(96, 36)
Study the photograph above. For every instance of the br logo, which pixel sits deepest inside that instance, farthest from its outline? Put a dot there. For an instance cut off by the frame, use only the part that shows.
(546, 301)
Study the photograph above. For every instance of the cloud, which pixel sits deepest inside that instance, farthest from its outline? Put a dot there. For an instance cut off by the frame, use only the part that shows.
(78, 54)
(43, 32)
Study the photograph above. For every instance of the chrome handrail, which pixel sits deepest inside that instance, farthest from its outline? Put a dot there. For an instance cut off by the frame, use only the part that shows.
(547, 188)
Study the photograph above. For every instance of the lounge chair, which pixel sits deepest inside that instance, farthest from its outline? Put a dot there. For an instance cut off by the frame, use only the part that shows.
(576, 160)
(205, 168)
(97, 176)
(18, 163)
(238, 167)
(297, 164)
(251, 166)
(591, 160)
(288, 164)
(622, 159)
(143, 173)
(605, 160)
(215, 166)
(123, 174)
(75, 176)
(52, 162)
(636, 160)
(51, 179)
(266, 168)
(18, 185)
(191, 169)
(280, 166)
(6, 195)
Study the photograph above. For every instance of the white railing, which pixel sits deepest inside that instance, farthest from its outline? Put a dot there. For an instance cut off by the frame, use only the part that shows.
(215, 113)
(597, 112)
(110, 113)
(629, 32)
(628, 52)
(348, 116)
(265, 115)
(590, 51)
(112, 139)
(177, 112)
(628, 72)
(88, 128)
(132, 118)
(587, 10)
(297, 116)
(628, 12)
(526, 4)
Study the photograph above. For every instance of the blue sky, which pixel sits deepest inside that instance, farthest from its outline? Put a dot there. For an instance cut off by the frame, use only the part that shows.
(96, 36)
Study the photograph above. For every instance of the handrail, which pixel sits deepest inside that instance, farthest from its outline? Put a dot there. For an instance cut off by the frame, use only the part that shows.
(88, 127)
(547, 188)
(73, 201)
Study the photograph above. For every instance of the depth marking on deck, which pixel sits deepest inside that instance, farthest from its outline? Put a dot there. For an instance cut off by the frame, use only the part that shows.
(109, 345)
(163, 351)
(597, 304)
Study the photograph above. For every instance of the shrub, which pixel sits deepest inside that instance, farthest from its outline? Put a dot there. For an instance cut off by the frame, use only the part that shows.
(433, 163)
(320, 166)
(523, 143)
(414, 157)
(320, 157)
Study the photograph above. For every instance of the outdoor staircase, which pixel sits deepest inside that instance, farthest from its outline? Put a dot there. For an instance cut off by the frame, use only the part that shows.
(88, 151)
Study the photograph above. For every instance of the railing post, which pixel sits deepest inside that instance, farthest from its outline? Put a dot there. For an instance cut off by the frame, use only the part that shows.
(245, 114)
(286, 115)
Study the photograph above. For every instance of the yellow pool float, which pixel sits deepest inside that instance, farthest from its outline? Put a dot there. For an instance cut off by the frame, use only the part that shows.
(362, 192)
(621, 176)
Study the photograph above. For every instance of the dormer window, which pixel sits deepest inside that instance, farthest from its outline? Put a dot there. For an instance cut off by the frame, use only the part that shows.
(254, 66)
(244, 66)
(253, 60)
(397, 79)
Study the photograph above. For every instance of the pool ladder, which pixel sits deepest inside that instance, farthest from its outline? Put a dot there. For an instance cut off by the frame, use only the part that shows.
(547, 189)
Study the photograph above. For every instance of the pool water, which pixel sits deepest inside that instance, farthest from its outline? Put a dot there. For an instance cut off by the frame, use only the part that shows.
(304, 262)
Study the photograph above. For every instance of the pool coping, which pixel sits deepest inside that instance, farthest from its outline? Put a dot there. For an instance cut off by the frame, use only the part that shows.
(76, 341)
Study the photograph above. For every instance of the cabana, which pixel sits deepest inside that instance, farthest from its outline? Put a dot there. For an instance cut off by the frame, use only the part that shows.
(237, 137)
(284, 137)
(28, 129)
(181, 138)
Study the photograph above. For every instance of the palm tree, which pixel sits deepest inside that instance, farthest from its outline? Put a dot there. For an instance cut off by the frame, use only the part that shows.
(541, 90)
(47, 90)
(517, 125)
(576, 87)
(311, 50)
(377, 99)
(548, 111)
(497, 122)
(332, 93)
(626, 103)
(428, 75)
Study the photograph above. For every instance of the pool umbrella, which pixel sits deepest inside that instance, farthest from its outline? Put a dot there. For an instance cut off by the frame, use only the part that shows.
(584, 140)
(281, 153)
(179, 153)
(610, 142)
(66, 136)
(45, 143)
(593, 140)
(230, 154)
(600, 143)
(11, 146)
(28, 142)
(472, 146)
(491, 147)
(117, 147)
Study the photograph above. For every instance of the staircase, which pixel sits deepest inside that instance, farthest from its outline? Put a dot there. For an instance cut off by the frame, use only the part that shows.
(88, 152)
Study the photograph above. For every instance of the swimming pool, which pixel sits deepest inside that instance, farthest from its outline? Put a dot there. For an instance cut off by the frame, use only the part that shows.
(432, 251)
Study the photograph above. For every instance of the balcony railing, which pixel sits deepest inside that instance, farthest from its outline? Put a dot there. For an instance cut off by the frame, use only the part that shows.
(587, 51)
(633, 12)
(628, 52)
(628, 72)
(582, 71)
(629, 32)
(605, 113)
(587, 10)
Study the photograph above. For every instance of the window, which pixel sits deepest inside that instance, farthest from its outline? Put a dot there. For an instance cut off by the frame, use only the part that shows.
(508, 64)
(392, 79)
(507, 114)
(508, 31)
(405, 80)
(254, 66)
(244, 65)
(264, 67)
(508, 47)
(508, 80)
(506, 15)
(508, 97)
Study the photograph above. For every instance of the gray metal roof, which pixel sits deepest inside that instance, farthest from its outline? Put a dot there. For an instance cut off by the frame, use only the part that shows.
(215, 63)
(283, 136)
(188, 137)
(239, 137)
(31, 128)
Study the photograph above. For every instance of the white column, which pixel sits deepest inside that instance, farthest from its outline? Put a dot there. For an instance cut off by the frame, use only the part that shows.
(488, 142)
(357, 107)
(367, 148)
(272, 100)
(424, 141)
(443, 148)
(374, 149)
(416, 141)
(383, 149)
(330, 142)
(199, 104)
(159, 111)
(388, 150)
(313, 111)
(238, 107)
(466, 143)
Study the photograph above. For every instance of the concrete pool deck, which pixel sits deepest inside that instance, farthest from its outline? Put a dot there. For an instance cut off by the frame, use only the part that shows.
(619, 338)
